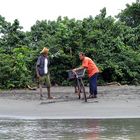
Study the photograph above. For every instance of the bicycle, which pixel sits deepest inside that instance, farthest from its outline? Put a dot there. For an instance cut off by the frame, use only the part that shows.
(77, 76)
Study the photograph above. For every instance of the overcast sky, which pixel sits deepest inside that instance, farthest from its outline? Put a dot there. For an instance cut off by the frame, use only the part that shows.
(28, 11)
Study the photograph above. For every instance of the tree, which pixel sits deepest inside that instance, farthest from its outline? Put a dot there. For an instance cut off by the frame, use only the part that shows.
(131, 14)
(11, 35)
(112, 44)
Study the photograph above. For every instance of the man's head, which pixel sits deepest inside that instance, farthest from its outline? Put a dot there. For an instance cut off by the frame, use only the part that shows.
(45, 51)
(81, 56)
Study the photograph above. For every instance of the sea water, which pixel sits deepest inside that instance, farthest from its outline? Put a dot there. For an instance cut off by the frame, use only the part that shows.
(75, 129)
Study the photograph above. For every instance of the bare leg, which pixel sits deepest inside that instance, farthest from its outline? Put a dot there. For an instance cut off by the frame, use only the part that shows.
(41, 93)
(49, 93)
(76, 90)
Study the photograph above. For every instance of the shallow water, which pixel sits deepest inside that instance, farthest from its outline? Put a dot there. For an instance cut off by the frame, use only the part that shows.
(110, 129)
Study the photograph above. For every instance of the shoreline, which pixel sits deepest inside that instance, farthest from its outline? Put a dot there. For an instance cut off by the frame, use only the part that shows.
(4, 117)
(113, 102)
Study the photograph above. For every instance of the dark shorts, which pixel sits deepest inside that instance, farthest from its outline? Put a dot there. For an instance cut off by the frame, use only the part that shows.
(45, 80)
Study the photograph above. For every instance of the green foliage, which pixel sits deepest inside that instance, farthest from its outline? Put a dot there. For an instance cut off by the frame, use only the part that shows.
(14, 69)
(131, 14)
(112, 44)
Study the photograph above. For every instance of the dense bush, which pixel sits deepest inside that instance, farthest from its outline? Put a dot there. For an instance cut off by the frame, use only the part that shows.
(113, 44)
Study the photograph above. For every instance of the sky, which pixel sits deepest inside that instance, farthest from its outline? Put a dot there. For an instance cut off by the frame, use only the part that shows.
(29, 11)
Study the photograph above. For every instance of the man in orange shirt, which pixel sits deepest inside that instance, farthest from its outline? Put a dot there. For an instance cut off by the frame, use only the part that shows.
(92, 71)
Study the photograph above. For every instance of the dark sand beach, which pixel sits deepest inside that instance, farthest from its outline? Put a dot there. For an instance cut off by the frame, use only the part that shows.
(112, 102)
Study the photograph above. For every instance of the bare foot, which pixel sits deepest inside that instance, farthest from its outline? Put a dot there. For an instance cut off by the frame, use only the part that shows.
(41, 97)
(51, 98)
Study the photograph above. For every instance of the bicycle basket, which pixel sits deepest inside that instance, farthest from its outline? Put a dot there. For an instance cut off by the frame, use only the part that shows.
(79, 74)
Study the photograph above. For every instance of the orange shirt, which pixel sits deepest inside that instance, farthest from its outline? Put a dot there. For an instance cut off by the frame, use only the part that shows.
(90, 66)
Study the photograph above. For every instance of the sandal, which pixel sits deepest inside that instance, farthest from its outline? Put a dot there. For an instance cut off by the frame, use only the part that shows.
(90, 96)
(51, 98)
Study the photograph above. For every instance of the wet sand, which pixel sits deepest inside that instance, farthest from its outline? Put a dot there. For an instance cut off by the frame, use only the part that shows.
(112, 102)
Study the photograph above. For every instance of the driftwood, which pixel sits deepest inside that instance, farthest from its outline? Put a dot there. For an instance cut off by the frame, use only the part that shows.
(31, 88)
(111, 84)
(105, 84)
